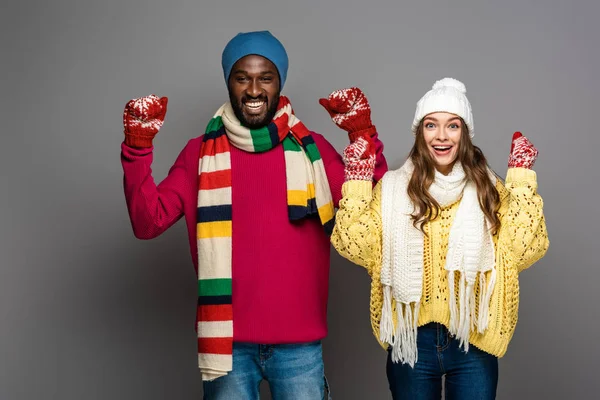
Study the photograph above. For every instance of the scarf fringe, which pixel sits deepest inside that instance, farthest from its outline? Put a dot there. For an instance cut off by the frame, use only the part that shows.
(466, 290)
(485, 296)
(403, 336)
(466, 317)
(453, 307)
(386, 326)
(404, 348)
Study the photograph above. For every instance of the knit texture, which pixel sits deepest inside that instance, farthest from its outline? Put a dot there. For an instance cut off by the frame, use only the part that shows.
(520, 242)
(289, 282)
(470, 255)
(308, 194)
(350, 110)
(359, 159)
(522, 152)
(142, 119)
(446, 95)
(280, 268)
(261, 43)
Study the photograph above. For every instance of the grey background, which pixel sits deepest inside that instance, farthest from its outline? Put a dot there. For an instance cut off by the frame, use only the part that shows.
(89, 312)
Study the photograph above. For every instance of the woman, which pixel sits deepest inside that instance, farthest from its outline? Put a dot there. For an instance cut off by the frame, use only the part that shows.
(443, 240)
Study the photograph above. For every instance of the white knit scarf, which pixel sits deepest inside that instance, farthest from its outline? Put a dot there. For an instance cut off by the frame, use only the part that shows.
(470, 254)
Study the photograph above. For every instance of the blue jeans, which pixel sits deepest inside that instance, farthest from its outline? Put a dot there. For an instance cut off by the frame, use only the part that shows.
(469, 376)
(293, 371)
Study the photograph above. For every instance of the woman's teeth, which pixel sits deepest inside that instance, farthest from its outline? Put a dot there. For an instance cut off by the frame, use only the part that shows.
(442, 148)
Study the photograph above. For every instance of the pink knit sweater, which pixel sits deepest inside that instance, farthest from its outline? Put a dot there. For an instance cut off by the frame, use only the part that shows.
(279, 290)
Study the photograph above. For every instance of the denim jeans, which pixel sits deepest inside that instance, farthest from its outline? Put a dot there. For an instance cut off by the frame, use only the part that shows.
(469, 376)
(293, 371)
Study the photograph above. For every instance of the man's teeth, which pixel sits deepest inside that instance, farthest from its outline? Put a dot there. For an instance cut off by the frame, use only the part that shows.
(254, 104)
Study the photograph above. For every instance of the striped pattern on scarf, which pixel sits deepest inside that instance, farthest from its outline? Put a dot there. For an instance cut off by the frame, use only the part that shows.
(308, 194)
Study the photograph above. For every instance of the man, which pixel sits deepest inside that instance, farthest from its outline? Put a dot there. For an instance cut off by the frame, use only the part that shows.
(258, 192)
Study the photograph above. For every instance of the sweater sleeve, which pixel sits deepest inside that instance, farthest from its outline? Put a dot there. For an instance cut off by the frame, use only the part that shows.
(523, 221)
(334, 165)
(153, 209)
(357, 234)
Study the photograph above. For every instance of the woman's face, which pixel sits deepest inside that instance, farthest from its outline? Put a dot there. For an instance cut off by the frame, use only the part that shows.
(442, 132)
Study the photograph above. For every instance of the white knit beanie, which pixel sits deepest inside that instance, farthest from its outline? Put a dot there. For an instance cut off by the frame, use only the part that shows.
(446, 95)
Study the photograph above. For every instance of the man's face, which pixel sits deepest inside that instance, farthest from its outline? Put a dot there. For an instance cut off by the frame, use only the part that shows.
(254, 91)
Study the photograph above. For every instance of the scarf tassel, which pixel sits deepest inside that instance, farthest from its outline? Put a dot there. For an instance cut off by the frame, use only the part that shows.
(464, 317)
(484, 300)
(453, 307)
(464, 323)
(404, 349)
(386, 327)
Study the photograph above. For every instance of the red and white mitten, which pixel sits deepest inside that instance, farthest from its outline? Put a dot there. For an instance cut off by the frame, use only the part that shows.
(142, 119)
(350, 110)
(359, 160)
(522, 152)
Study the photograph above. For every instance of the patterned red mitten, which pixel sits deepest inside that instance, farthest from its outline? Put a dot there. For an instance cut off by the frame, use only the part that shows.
(350, 110)
(522, 152)
(359, 159)
(142, 119)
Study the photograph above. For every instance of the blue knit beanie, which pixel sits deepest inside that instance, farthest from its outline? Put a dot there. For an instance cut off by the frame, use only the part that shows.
(261, 43)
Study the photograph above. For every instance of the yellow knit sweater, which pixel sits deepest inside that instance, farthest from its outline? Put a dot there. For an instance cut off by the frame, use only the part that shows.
(520, 242)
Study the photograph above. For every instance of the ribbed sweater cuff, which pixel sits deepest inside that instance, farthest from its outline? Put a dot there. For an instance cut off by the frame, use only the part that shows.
(358, 189)
(521, 175)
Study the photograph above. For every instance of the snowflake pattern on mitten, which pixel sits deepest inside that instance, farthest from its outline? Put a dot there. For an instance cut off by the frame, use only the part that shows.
(523, 153)
(350, 110)
(142, 119)
(359, 160)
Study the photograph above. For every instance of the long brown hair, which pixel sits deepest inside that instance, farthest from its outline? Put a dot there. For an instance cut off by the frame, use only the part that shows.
(476, 170)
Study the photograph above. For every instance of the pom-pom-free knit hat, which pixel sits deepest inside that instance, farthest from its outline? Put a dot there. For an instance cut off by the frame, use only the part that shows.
(261, 43)
(446, 95)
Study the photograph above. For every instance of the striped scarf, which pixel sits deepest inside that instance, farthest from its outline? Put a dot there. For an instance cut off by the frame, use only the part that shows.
(308, 194)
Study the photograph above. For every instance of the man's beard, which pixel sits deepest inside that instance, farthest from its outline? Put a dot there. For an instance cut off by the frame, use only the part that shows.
(254, 121)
